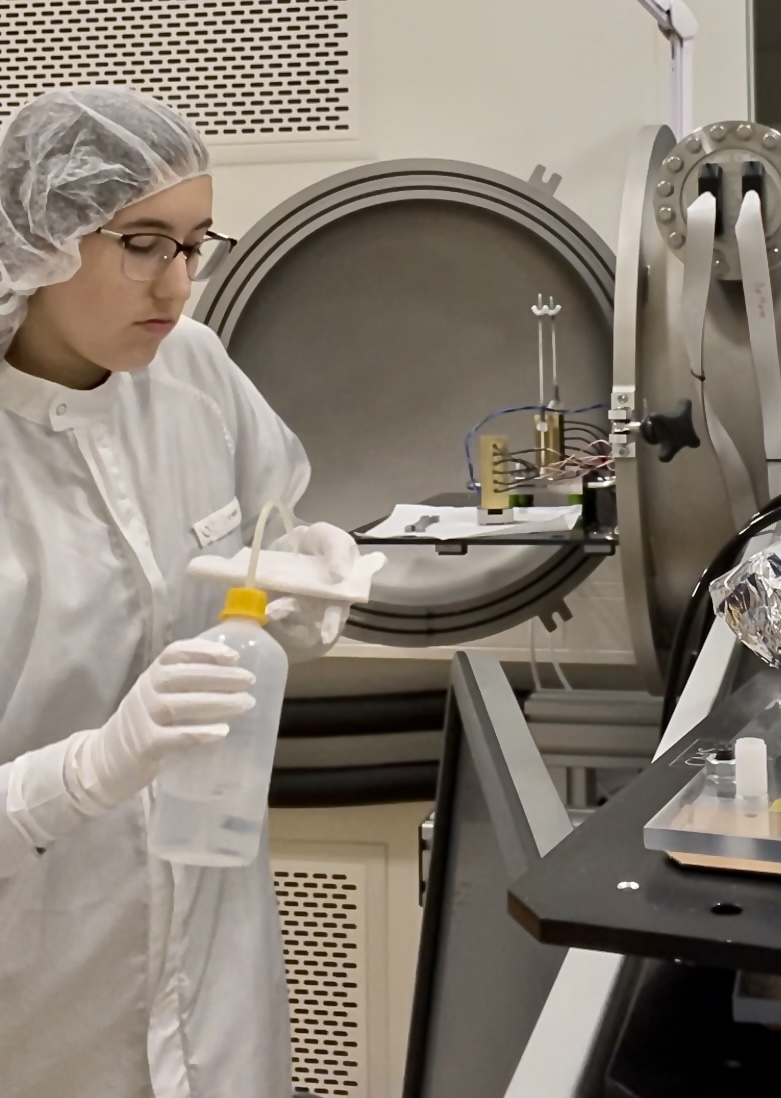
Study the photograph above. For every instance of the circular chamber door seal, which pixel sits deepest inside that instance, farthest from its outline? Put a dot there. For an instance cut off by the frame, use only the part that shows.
(383, 313)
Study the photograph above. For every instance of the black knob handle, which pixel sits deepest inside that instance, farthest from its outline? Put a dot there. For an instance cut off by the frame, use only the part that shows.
(671, 432)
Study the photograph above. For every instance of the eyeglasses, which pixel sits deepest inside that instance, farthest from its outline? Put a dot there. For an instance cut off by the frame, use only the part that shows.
(147, 256)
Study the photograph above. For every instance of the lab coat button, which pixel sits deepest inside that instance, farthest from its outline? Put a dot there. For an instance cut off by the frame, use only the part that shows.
(61, 409)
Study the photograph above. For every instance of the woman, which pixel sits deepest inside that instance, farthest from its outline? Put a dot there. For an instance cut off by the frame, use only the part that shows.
(128, 438)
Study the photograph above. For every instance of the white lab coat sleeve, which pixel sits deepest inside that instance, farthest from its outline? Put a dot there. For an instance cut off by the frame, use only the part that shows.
(271, 463)
(269, 459)
(15, 850)
(35, 806)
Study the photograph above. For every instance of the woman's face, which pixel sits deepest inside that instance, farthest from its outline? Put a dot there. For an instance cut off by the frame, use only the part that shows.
(101, 318)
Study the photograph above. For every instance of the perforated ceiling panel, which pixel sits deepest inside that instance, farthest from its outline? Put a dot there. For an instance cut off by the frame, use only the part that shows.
(247, 71)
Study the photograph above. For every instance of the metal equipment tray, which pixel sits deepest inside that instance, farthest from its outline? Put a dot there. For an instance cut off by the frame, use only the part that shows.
(600, 888)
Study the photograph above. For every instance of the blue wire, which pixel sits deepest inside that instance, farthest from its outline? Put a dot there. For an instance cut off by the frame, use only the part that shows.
(510, 411)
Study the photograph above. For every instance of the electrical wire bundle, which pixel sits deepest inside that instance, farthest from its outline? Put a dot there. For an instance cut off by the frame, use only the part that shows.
(519, 467)
(579, 432)
(513, 471)
(596, 455)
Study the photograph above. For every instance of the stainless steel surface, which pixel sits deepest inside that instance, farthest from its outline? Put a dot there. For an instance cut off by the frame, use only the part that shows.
(383, 312)
(729, 145)
(638, 246)
(672, 518)
(622, 421)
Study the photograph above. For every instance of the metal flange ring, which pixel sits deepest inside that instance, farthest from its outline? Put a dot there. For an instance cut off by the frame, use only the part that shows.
(728, 145)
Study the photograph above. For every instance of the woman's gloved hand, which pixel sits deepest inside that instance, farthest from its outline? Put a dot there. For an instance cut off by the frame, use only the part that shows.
(336, 547)
(306, 617)
(186, 697)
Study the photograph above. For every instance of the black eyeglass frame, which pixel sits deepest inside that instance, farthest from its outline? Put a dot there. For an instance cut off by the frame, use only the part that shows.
(179, 249)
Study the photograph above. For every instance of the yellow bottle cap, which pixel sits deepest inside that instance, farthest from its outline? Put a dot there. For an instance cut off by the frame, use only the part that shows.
(245, 602)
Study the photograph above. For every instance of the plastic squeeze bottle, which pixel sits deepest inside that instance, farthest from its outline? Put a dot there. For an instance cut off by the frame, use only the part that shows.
(209, 806)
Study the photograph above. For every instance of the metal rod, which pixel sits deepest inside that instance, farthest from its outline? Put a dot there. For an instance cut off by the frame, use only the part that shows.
(553, 310)
(539, 312)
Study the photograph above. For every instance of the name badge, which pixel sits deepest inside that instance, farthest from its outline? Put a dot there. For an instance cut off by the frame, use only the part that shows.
(218, 525)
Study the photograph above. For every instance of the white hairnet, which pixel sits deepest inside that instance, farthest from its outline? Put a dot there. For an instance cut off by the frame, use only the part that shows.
(69, 161)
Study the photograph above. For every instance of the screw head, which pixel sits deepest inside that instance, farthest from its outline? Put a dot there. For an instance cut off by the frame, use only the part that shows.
(770, 141)
(676, 240)
(718, 132)
(744, 131)
(622, 398)
(623, 451)
(664, 188)
(674, 163)
(694, 144)
(666, 215)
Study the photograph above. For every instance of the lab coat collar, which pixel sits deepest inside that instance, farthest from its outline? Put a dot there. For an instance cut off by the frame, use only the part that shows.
(54, 405)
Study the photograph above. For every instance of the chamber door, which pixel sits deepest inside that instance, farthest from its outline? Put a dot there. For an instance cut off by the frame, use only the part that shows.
(383, 313)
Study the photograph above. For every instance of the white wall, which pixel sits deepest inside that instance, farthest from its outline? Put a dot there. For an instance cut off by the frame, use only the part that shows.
(510, 84)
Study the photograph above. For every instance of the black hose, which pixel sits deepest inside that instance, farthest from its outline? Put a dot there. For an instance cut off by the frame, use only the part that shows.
(362, 715)
(395, 783)
(684, 651)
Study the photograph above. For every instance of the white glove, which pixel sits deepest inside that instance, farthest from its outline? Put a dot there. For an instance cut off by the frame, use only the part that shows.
(186, 697)
(310, 615)
(336, 547)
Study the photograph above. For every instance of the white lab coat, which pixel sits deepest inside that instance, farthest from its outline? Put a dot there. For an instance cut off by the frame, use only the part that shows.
(119, 978)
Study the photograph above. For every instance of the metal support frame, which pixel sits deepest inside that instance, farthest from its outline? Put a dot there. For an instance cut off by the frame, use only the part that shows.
(677, 23)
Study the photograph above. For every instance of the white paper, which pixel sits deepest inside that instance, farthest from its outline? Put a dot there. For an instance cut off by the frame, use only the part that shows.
(287, 573)
(461, 522)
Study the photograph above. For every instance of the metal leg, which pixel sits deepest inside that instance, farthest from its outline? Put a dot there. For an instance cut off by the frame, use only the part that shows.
(581, 787)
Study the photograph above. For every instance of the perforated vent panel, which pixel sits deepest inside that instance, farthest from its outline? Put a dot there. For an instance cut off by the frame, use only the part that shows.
(246, 71)
(323, 925)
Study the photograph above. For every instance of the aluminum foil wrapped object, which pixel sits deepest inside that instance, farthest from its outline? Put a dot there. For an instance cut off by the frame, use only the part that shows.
(748, 598)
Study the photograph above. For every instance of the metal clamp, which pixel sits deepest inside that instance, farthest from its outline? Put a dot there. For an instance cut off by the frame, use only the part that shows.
(421, 525)
(621, 416)
(425, 843)
(671, 432)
